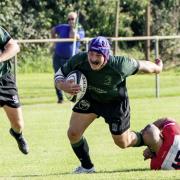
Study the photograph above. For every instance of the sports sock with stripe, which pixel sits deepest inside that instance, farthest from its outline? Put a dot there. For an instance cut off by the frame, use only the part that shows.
(81, 149)
(140, 141)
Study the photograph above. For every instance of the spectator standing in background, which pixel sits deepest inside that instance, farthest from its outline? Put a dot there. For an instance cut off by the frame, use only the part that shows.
(64, 50)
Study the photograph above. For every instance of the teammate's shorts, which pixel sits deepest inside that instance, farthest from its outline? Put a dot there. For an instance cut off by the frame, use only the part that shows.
(116, 113)
(8, 91)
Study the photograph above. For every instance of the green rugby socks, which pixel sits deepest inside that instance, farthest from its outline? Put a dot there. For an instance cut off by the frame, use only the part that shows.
(81, 149)
(140, 141)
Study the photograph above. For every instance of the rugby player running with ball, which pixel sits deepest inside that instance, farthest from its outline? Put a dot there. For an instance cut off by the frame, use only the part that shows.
(106, 96)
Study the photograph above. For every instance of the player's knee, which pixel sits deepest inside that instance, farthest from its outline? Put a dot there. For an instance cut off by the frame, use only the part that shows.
(121, 143)
(73, 134)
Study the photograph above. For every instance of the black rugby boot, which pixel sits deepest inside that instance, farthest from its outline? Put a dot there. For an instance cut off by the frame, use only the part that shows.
(22, 144)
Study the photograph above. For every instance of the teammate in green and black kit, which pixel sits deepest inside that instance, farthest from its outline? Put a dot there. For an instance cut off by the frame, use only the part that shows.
(106, 96)
(9, 99)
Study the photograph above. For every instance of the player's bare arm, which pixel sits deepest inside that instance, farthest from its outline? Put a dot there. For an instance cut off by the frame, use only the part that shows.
(150, 67)
(11, 49)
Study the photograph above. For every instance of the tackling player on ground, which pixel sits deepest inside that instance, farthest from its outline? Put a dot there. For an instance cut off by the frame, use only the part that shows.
(106, 96)
(163, 141)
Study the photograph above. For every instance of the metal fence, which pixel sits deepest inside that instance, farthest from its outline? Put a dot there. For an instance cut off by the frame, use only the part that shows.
(154, 39)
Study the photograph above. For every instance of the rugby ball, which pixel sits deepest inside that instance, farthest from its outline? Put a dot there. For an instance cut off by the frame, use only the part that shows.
(78, 78)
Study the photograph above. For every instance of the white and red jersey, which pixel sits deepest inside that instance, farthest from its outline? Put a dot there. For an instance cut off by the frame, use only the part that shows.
(168, 157)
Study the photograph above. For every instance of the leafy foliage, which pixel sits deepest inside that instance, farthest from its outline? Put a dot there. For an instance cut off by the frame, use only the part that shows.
(10, 16)
(167, 22)
(32, 19)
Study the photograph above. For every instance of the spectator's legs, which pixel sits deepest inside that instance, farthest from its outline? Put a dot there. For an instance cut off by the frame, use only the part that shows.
(57, 63)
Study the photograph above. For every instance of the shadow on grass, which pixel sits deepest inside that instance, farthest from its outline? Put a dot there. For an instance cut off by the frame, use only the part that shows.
(124, 170)
(68, 173)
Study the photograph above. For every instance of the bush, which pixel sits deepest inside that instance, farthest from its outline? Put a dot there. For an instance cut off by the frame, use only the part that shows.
(35, 59)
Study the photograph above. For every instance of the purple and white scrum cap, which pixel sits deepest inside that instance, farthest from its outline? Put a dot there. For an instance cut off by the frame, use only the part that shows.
(100, 45)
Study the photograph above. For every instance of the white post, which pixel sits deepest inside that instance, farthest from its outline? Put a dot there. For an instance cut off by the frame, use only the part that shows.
(157, 75)
(75, 34)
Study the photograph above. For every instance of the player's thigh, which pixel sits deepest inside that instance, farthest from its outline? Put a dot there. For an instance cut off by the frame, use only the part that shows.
(14, 114)
(80, 121)
(117, 115)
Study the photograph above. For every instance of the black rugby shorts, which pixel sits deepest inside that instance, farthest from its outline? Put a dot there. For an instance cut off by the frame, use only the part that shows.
(8, 91)
(116, 113)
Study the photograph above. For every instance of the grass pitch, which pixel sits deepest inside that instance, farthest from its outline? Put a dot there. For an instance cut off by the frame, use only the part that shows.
(46, 123)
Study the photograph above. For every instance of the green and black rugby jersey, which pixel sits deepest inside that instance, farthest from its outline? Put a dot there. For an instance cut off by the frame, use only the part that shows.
(5, 66)
(107, 84)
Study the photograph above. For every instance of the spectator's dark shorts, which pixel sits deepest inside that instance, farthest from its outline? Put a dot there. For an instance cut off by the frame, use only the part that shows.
(8, 91)
(116, 113)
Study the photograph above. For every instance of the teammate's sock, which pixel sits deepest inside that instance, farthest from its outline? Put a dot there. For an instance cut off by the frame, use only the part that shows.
(81, 150)
(140, 141)
(16, 133)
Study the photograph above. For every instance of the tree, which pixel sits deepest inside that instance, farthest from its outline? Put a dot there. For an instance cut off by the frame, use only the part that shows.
(10, 17)
(166, 20)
